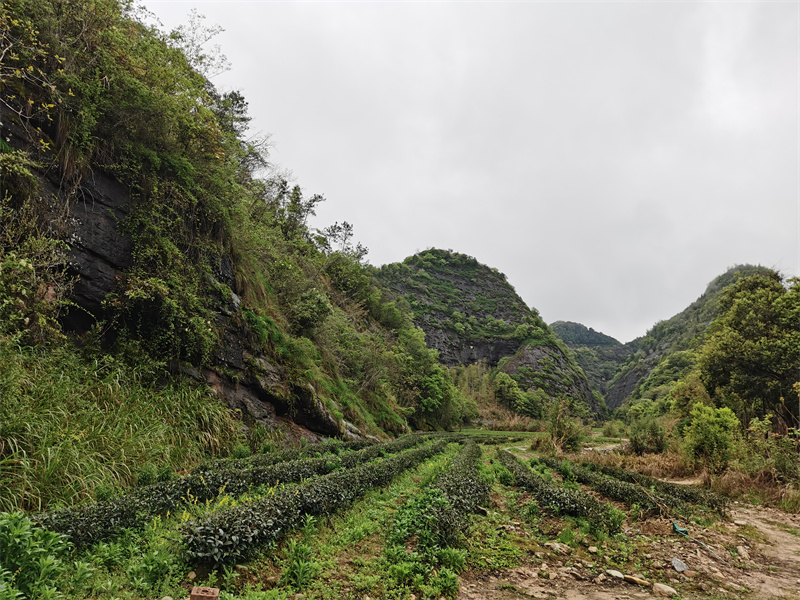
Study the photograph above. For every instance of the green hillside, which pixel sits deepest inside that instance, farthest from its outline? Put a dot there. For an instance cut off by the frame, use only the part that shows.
(470, 313)
(668, 351)
(736, 346)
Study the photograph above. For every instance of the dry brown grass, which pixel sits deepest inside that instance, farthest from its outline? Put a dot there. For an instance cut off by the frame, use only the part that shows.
(663, 466)
(498, 418)
(762, 487)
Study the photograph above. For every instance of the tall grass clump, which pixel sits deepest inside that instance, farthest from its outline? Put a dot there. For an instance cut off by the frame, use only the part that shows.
(70, 426)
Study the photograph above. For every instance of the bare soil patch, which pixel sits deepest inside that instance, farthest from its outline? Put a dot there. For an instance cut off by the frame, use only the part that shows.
(757, 558)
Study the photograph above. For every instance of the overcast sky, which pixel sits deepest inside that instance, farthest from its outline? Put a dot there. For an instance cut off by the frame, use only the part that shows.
(611, 158)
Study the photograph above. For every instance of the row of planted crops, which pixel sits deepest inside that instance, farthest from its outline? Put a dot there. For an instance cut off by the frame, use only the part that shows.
(230, 511)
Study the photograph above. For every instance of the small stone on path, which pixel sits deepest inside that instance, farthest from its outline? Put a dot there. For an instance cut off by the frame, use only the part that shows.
(614, 574)
(679, 565)
(636, 580)
(659, 589)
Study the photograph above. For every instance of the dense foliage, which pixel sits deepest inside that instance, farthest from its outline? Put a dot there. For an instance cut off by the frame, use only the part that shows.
(752, 357)
(453, 291)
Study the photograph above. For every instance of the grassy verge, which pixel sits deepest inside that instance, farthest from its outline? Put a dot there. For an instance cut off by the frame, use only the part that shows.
(70, 427)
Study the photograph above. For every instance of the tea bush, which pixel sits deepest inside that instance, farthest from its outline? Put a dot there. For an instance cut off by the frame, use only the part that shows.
(685, 493)
(237, 532)
(461, 483)
(629, 493)
(602, 517)
(90, 523)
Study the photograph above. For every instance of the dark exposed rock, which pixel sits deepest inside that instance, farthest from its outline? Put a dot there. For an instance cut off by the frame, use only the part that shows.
(624, 385)
(100, 252)
(247, 382)
(454, 350)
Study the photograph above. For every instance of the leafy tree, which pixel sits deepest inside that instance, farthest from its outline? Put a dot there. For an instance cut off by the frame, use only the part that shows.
(193, 37)
(752, 358)
(507, 390)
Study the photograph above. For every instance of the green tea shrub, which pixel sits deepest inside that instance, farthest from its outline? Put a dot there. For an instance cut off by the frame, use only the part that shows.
(628, 492)
(90, 523)
(684, 493)
(601, 516)
(461, 483)
(237, 532)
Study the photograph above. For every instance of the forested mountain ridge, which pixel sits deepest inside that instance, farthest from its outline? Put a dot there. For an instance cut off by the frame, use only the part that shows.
(469, 313)
(649, 367)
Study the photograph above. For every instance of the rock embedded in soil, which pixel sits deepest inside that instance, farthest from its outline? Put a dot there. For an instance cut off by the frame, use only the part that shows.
(665, 591)
(636, 580)
(679, 565)
(614, 574)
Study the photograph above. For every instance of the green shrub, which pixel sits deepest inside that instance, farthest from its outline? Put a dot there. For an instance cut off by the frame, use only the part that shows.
(710, 436)
(564, 431)
(240, 451)
(602, 517)
(461, 483)
(147, 475)
(614, 429)
(647, 436)
(34, 562)
(631, 494)
(684, 493)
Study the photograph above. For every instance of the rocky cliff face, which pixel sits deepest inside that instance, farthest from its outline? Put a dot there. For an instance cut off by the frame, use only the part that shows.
(245, 380)
(455, 350)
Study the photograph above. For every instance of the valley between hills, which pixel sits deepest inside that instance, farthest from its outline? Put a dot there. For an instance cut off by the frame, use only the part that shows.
(198, 389)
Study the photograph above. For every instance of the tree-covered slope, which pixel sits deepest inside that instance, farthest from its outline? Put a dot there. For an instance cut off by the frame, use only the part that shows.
(649, 366)
(469, 313)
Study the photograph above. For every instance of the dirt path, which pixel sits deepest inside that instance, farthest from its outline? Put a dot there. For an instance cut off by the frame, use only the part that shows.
(758, 559)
